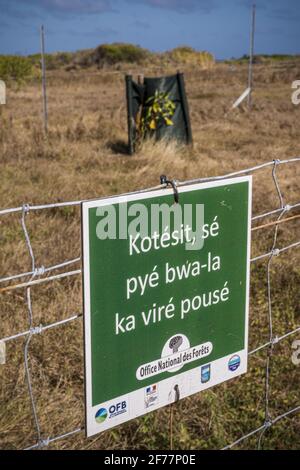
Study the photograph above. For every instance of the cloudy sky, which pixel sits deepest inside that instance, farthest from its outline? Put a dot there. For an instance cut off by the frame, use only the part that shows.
(219, 26)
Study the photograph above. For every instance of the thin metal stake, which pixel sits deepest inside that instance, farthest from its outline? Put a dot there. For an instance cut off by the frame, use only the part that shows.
(250, 72)
(44, 90)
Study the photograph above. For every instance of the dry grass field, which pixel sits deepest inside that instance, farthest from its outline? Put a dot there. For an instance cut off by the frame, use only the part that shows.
(84, 156)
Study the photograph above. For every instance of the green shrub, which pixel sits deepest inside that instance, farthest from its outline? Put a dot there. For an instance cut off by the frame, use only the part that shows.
(16, 68)
(114, 53)
(188, 55)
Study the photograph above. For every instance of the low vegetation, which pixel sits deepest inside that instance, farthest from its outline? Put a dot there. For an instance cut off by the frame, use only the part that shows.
(106, 55)
(116, 55)
(265, 58)
(52, 61)
(189, 56)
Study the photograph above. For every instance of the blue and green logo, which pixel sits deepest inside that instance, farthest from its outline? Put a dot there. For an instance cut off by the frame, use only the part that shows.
(101, 415)
(234, 362)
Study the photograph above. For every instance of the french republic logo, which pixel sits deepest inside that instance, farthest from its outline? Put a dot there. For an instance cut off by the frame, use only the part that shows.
(151, 396)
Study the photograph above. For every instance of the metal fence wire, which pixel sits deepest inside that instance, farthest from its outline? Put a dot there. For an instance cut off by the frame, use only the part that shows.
(40, 274)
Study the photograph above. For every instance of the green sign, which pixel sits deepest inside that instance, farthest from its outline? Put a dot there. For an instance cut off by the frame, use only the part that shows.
(165, 296)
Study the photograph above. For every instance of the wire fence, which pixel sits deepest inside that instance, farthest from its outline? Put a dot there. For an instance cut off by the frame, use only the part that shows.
(39, 274)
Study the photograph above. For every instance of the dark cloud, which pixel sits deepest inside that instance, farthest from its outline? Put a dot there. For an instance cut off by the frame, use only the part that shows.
(74, 6)
(100, 6)
(14, 9)
(277, 9)
(23, 8)
(94, 33)
(181, 6)
(286, 14)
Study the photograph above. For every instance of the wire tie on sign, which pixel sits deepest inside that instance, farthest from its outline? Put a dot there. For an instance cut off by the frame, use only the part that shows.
(173, 183)
(39, 271)
(35, 330)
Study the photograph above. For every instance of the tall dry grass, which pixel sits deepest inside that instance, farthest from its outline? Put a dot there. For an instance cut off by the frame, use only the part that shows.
(84, 156)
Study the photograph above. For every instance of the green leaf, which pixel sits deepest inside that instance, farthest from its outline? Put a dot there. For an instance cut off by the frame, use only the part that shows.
(169, 122)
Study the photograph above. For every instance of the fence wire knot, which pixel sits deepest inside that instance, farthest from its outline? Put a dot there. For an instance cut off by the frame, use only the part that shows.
(275, 340)
(275, 252)
(277, 161)
(287, 207)
(268, 423)
(35, 330)
(25, 208)
(43, 442)
(39, 271)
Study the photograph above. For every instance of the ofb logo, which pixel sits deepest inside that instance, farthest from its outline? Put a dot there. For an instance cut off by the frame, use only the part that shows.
(114, 410)
(2, 92)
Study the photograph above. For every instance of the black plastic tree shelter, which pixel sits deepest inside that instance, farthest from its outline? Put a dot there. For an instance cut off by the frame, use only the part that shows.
(138, 97)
